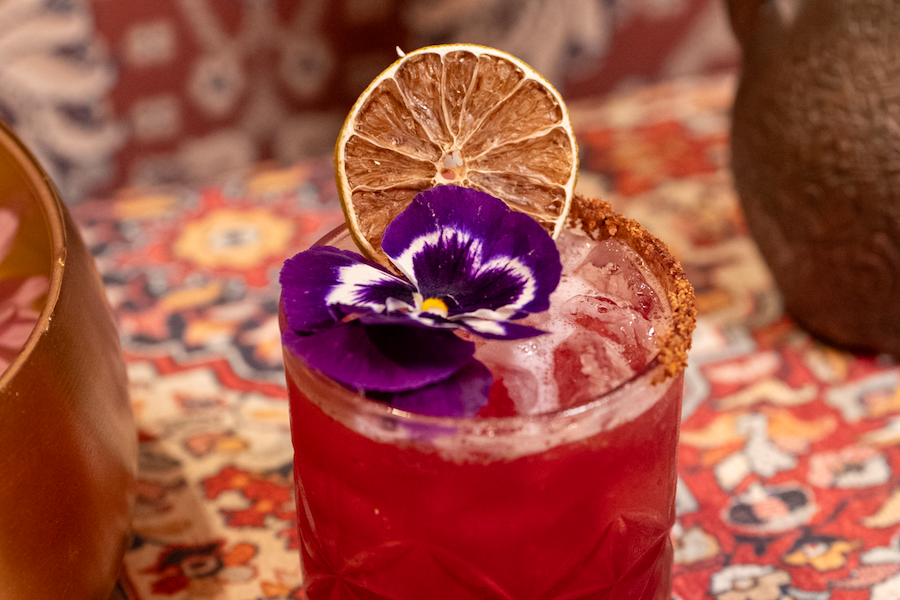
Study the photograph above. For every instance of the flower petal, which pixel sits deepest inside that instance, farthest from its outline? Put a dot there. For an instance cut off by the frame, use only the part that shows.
(460, 395)
(322, 284)
(469, 249)
(499, 330)
(486, 328)
(408, 319)
(388, 358)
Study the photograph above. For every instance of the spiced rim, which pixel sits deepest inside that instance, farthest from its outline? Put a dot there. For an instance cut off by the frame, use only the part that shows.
(597, 219)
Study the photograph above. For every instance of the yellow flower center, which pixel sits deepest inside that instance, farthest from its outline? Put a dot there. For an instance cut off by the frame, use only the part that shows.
(435, 305)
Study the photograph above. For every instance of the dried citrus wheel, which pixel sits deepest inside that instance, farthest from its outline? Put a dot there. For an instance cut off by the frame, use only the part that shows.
(455, 114)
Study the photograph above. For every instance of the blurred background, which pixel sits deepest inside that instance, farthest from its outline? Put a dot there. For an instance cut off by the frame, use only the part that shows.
(113, 94)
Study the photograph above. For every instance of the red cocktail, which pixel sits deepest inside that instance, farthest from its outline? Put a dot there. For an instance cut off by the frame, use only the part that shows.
(523, 501)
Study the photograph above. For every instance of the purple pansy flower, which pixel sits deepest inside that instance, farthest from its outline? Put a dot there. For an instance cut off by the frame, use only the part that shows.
(467, 262)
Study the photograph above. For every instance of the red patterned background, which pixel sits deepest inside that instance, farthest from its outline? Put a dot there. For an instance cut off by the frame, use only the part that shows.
(112, 93)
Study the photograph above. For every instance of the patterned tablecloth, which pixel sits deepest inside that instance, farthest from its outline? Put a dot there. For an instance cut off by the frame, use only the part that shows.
(789, 461)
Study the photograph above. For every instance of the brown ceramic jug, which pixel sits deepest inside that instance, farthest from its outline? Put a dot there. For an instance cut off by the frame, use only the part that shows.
(816, 160)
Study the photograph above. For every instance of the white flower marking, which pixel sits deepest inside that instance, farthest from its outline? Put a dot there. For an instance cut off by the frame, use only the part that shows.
(354, 280)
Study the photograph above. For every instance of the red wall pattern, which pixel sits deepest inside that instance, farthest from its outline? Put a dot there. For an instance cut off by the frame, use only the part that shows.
(184, 90)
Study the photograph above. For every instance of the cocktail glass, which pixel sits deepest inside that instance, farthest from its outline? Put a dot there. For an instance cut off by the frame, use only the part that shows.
(575, 503)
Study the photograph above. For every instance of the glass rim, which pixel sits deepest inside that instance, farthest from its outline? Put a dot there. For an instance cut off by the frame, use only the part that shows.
(596, 218)
(364, 405)
(45, 197)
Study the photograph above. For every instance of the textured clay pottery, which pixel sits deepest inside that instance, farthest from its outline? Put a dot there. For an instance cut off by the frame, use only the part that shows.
(68, 445)
(816, 160)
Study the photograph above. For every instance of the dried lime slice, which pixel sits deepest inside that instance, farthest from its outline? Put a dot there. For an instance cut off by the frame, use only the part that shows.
(455, 114)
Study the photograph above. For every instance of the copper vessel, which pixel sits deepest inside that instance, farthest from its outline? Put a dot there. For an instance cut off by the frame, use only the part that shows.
(68, 445)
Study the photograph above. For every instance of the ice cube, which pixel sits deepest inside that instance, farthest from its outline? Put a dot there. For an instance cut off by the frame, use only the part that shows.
(603, 320)
(526, 368)
(573, 249)
(587, 365)
(613, 268)
(626, 327)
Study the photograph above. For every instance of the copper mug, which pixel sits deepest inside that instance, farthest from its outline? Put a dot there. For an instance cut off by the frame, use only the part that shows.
(68, 444)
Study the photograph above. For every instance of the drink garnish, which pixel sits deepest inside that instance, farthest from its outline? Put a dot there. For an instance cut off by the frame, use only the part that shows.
(458, 114)
(466, 261)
